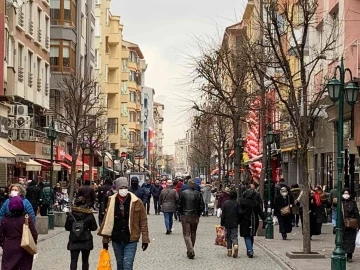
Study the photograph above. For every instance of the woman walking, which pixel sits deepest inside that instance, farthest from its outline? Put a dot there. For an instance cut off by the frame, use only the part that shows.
(11, 228)
(80, 222)
(249, 220)
(351, 224)
(283, 204)
(168, 199)
(206, 194)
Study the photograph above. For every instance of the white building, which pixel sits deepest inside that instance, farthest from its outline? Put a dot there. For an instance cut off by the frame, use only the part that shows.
(181, 156)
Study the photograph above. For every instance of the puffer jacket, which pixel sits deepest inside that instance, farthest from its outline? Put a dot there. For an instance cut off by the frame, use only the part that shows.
(27, 206)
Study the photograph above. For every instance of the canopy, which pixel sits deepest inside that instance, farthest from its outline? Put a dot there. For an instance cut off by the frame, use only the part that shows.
(20, 155)
(6, 157)
(78, 162)
(32, 166)
(47, 163)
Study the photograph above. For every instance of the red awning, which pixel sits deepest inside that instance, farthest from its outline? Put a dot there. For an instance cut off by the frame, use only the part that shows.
(66, 166)
(43, 161)
(69, 158)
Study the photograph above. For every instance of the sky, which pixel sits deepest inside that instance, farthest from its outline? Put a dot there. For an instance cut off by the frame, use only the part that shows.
(166, 31)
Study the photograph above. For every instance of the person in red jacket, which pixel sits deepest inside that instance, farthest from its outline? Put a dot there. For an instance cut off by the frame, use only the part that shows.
(178, 186)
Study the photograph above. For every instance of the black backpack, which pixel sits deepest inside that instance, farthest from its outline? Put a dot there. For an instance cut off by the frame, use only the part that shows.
(77, 227)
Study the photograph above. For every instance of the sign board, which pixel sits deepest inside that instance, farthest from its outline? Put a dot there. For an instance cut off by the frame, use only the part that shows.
(141, 176)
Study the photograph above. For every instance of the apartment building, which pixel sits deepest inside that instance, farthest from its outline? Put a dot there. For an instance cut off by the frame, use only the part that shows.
(148, 123)
(181, 164)
(159, 134)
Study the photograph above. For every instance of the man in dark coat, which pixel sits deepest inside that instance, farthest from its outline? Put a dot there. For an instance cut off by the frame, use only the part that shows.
(88, 193)
(155, 192)
(103, 194)
(46, 199)
(147, 187)
(137, 190)
(33, 194)
(284, 200)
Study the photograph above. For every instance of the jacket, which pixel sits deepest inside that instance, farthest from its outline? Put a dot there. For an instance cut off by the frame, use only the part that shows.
(156, 191)
(33, 194)
(139, 192)
(47, 195)
(332, 196)
(168, 200)
(88, 193)
(250, 212)
(230, 215)
(222, 199)
(206, 193)
(137, 220)
(103, 194)
(190, 203)
(85, 240)
(147, 188)
(27, 206)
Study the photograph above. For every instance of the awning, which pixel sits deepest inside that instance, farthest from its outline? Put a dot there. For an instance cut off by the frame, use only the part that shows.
(20, 155)
(32, 166)
(6, 157)
(44, 161)
(249, 161)
(78, 162)
(66, 166)
(47, 163)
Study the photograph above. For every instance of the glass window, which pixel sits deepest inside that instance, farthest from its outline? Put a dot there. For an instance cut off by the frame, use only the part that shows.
(132, 96)
(62, 56)
(112, 125)
(97, 27)
(63, 12)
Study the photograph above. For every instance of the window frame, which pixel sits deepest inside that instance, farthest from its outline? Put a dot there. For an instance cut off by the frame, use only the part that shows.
(113, 128)
(61, 20)
(72, 56)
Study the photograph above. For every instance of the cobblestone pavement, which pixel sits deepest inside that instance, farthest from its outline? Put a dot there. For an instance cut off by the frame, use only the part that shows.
(164, 252)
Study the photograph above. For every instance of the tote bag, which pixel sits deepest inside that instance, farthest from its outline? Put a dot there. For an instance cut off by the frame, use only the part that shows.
(27, 240)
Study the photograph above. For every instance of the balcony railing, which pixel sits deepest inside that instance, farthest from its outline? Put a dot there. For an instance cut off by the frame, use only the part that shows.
(21, 18)
(47, 89)
(39, 84)
(31, 27)
(30, 79)
(20, 74)
(47, 42)
(39, 34)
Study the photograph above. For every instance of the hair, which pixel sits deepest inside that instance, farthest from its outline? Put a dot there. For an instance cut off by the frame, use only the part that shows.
(80, 201)
(233, 195)
(295, 186)
(86, 183)
(346, 189)
(21, 188)
(108, 181)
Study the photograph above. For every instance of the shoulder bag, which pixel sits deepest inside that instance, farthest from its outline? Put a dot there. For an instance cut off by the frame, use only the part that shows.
(27, 240)
(286, 210)
(349, 223)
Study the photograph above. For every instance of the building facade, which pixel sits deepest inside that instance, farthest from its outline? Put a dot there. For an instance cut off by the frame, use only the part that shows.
(181, 165)
(158, 128)
(147, 119)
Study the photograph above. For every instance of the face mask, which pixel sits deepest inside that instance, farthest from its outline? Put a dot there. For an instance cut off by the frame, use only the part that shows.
(284, 193)
(346, 196)
(14, 193)
(123, 192)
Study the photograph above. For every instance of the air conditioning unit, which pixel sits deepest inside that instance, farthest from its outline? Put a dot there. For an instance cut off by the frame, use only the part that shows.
(24, 135)
(11, 122)
(13, 134)
(22, 110)
(23, 121)
(12, 110)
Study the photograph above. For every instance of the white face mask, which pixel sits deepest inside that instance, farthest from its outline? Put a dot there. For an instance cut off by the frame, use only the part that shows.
(284, 193)
(14, 193)
(346, 196)
(123, 192)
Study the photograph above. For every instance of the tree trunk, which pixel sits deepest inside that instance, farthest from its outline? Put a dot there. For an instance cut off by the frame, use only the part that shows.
(219, 166)
(74, 157)
(91, 164)
(237, 155)
(305, 200)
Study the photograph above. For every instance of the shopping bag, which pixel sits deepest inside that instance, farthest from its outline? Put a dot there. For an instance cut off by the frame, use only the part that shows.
(220, 239)
(104, 260)
(275, 220)
(218, 212)
(357, 241)
(27, 240)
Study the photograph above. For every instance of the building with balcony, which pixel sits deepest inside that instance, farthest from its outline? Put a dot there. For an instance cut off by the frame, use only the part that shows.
(147, 118)
(181, 164)
(158, 128)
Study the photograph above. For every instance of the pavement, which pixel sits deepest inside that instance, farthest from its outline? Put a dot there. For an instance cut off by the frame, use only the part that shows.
(323, 244)
(164, 252)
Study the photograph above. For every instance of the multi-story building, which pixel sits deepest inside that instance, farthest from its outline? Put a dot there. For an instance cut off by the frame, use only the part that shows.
(158, 128)
(147, 119)
(181, 164)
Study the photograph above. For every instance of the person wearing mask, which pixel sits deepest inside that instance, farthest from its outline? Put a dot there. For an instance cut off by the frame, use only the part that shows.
(124, 221)
(33, 194)
(137, 190)
(147, 187)
(11, 228)
(46, 199)
(280, 185)
(295, 192)
(206, 195)
(168, 199)
(333, 202)
(250, 211)
(230, 219)
(103, 194)
(88, 193)
(155, 192)
(283, 204)
(17, 190)
(190, 206)
(351, 224)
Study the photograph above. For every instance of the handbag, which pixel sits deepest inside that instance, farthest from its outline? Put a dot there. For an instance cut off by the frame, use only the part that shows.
(286, 210)
(27, 240)
(349, 223)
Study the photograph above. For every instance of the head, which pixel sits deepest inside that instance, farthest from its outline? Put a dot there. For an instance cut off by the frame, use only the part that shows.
(191, 184)
(17, 190)
(233, 195)
(57, 185)
(188, 177)
(148, 180)
(252, 187)
(284, 191)
(157, 183)
(16, 205)
(318, 189)
(227, 190)
(86, 183)
(249, 194)
(122, 186)
(169, 183)
(346, 194)
(134, 182)
(108, 181)
(80, 202)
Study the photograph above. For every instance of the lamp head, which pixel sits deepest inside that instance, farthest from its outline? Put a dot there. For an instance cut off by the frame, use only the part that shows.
(333, 88)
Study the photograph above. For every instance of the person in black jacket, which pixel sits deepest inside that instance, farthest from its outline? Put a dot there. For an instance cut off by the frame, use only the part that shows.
(137, 190)
(249, 220)
(284, 201)
(33, 194)
(103, 194)
(230, 218)
(190, 206)
(155, 192)
(80, 238)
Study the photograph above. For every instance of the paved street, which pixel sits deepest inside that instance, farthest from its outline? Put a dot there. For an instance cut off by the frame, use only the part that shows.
(164, 251)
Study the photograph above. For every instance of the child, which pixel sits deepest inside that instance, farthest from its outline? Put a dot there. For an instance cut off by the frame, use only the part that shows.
(230, 218)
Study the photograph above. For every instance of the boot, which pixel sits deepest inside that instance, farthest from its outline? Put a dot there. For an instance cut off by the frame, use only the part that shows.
(229, 254)
(236, 251)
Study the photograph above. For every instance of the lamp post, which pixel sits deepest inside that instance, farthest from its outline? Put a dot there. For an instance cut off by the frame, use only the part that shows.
(83, 147)
(337, 89)
(51, 134)
(103, 154)
(269, 140)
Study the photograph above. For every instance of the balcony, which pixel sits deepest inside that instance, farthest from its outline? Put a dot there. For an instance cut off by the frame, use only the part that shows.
(131, 105)
(114, 38)
(112, 88)
(21, 19)
(47, 42)
(114, 63)
(21, 74)
(132, 85)
(132, 65)
(132, 125)
(30, 29)
(30, 79)
(38, 38)
(39, 84)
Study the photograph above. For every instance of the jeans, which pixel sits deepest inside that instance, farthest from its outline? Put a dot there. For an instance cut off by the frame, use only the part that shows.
(156, 205)
(189, 226)
(249, 242)
(125, 255)
(168, 217)
(231, 237)
(74, 255)
(333, 217)
(147, 205)
(206, 208)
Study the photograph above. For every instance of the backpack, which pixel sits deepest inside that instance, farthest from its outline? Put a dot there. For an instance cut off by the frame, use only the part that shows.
(77, 227)
(47, 195)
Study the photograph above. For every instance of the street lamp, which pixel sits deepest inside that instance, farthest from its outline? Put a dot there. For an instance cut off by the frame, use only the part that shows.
(269, 140)
(83, 147)
(51, 134)
(337, 89)
(103, 154)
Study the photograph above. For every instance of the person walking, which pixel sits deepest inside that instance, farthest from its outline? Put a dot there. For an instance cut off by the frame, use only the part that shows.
(80, 222)
(147, 187)
(190, 206)
(250, 211)
(11, 228)
(155, 192)
(33, 194)
(137, 190)
(230, 218)
(168, 199)
(206, 195)
(103, 194)
(295, 192)
(283, 205)
(351, 214)
(333, 203)
(224, 196)
(124, 221)
(46, 199)
(318, 203)
(88, 193)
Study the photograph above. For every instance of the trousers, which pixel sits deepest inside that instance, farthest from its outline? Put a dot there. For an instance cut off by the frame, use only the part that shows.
(189, 226)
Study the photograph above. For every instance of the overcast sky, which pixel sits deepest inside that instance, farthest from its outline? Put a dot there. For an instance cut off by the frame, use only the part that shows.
(165, 31)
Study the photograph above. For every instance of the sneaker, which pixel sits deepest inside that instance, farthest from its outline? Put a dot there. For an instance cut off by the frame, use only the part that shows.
(190, 255)
(236, 251)
(251, 255)
(229, 253)
(168, 231)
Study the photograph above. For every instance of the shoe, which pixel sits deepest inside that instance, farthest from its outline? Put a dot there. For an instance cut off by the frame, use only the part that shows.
(236, 251)
(251, 255)
(229, 253)
(297, 225)
(284, 236)
(168, 232)
(190, 255)
(349, 259)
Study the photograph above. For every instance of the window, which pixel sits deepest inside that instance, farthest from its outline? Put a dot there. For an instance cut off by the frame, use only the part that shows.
(47, 26)
(96, 60)
(97, 2)
(63, 12)
(39, 18)
(30, 69)
(132, 96)
(38, 66)
(132, 76)
(145, 103)
(124, 88)
(107, 44)
(112, 126)
(20, 55)
(10, 52)
(106, 73)
(97, 27)
(107, 16)
(132, 116)
(62, 55)
(124, 65)
(132, 56)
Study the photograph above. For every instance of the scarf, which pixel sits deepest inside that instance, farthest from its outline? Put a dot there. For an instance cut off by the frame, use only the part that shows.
(317, 199)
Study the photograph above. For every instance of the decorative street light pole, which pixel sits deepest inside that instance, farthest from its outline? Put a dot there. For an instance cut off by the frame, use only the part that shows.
(269, 140)
(337, 89)
(103, 154)
(51, 134)
(83, 147)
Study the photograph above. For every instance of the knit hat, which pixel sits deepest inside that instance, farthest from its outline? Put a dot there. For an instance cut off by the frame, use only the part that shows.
(121, 182)
(16, 204)
(191, 184)
(134, 179)
(169, 183)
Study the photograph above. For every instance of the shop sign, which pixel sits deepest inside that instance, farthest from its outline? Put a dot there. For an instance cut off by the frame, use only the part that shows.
(60, 153)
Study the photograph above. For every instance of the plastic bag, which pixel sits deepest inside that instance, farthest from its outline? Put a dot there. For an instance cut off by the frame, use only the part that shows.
(218, 212)
(104, 260)
(357, 241)
(220, 239)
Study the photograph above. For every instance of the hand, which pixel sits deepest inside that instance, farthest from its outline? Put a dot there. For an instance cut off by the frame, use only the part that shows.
(144, 246)
(106, 246)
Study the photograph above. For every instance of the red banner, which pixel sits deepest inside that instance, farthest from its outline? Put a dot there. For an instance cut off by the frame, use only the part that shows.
(60, 153)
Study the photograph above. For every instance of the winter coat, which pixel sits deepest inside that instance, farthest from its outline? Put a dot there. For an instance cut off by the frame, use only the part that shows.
(27, 206)
(285, 222)
(103, 194)
(147, 188)
(139, 192)
(15, 257)
(47, 195)
(33, 194)
(88, 193)
(190, 203)
(295, 192)
(332, 196)
(156, 190)
(168, 200)
(206, 194)
(85, 240)
(349, 235)
(230, 216)
(222, 199)
(250, 211)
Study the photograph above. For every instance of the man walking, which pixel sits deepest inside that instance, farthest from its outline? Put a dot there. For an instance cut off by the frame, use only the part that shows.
(190, 206)
(155, 192)
(147, 187)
